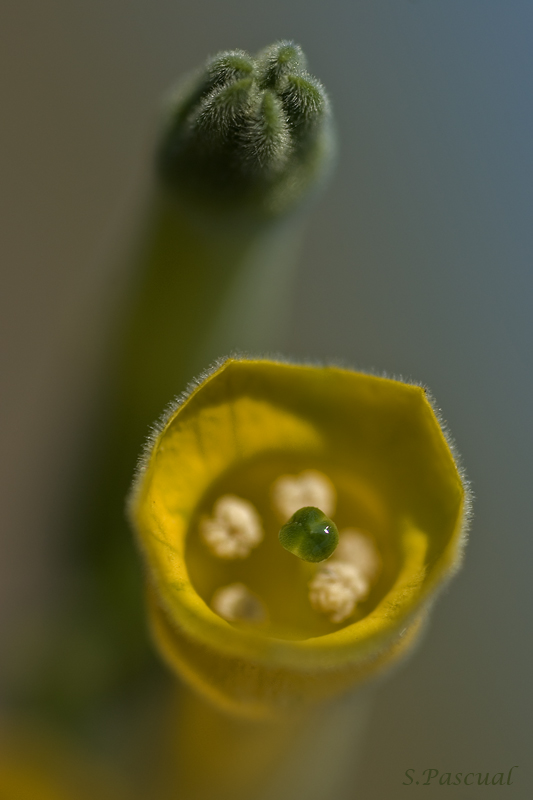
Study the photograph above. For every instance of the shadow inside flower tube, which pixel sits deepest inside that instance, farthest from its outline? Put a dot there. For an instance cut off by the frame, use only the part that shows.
(269, 650)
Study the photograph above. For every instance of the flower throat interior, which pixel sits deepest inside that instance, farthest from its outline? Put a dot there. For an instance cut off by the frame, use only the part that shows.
(239, 568)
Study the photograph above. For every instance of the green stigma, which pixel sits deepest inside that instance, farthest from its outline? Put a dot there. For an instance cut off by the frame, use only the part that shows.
(310, 535)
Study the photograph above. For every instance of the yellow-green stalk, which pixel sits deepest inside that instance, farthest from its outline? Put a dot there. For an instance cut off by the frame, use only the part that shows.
(246, 143)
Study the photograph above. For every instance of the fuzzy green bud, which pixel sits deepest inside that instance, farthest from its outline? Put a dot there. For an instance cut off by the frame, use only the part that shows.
(252, 132)
(310, 535)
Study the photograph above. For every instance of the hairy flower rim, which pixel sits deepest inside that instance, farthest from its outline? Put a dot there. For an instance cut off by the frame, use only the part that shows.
(407, 599)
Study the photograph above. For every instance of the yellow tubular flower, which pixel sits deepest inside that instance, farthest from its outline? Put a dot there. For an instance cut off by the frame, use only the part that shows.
(246, 424)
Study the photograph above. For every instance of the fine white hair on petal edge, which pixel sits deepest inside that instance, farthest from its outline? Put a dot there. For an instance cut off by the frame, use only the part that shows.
(160, 424)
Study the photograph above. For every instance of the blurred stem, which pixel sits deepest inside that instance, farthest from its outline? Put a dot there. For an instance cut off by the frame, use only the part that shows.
(244, 146)
(205, 284)
(313, 754)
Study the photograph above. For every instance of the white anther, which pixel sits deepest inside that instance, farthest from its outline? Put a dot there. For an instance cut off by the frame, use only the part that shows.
(336, 588)
(359, 549)
(310, 488)
(237, 603)
(234, 529)
(346, 578)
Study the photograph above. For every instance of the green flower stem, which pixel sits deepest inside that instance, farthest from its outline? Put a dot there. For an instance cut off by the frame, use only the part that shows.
(205, 288)
(240, 156)
(246, 143)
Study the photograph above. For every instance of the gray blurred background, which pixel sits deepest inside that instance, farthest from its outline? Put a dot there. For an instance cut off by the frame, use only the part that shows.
(417, 262)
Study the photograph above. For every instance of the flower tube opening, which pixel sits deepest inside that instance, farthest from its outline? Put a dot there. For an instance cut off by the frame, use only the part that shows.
(378, 442)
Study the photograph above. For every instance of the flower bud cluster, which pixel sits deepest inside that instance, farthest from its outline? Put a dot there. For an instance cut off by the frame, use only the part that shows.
(249, 131)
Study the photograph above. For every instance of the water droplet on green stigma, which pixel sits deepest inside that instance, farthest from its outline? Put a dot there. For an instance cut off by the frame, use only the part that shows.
(310, 535)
